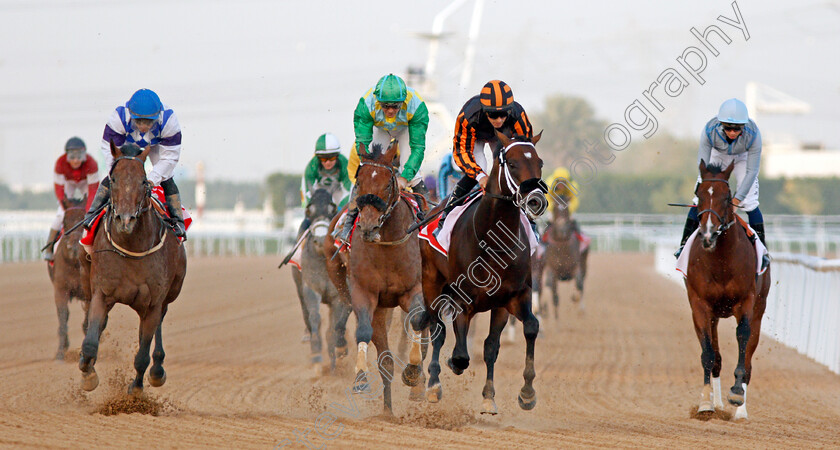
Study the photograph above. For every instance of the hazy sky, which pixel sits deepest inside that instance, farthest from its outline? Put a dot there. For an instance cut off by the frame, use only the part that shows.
(255, 82)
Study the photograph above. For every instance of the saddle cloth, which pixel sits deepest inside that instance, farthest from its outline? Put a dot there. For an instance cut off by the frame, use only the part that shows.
(157, 196)
(442, 240)
(760, 251)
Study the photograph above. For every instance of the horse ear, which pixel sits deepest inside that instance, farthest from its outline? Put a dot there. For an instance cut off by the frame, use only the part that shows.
(728, 170)
(115, 152)
(145, 153)
(536, 138)
(391, 153)
(504, 140)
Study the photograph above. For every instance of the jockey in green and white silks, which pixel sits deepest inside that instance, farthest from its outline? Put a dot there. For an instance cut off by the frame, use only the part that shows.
(327, 170)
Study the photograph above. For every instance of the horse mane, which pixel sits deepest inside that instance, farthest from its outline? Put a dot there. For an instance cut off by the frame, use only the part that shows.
(373, 153)
(131, 150)
(321, 196)
(714, 169)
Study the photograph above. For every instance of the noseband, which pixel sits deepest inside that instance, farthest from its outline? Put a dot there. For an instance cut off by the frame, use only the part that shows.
(521, 194)
(723, 224)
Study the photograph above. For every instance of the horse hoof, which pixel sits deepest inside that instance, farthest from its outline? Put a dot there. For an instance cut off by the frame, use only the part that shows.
(735, 399)
(706, 406)
(740, 413)
(341, 351)
(488, 406)
(135, 391)
(317, 369)
(305, 338)
(434, 393)
(157, 382)
(59, 355)
(90, 381)
(527, 403)
(411, 375)
(456, 369)
(361, 384)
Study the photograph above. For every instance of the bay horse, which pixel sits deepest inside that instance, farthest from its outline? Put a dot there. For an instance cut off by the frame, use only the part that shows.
(721, 281)
(316, 285)
(382, 271)
(65, 272)
(563, 259)
(488, 268)
(137, 261)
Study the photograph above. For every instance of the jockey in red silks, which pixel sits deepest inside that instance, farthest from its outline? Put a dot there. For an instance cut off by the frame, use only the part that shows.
(147, 122)
(75, 176)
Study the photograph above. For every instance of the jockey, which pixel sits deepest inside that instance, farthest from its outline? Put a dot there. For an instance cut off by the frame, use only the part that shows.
(145, 121)
(448, 175)
(564, 191)
(732, 136)
(492, 110)
(75, 177)
(389, 110)
(328, 170)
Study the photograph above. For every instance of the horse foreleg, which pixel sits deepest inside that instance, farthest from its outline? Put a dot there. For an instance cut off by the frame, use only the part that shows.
(717, 396)
(157, 376)
(419, 320)
(551, 284)
(385, 360)
(90, 346)
(62, 298)
(312, 304)
(149, 326)
(297, 277)
(498, 320)
(460, 359)
(363, 304)
(342, 313)
(703, 320)
(530, 328)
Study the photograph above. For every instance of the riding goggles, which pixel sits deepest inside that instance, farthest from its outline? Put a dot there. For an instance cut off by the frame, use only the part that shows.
(76, 154)
(497, 114)
(732, 127)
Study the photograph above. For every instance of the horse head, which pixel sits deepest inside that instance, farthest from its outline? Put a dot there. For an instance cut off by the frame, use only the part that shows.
(130, 190)
(561, 224)
(74, 211)
(377, 189)
(320, 211)
(714, 202)
(518, 174)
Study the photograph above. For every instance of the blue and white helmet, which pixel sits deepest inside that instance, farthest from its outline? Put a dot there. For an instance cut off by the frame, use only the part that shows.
(733, 111)
(144, 104)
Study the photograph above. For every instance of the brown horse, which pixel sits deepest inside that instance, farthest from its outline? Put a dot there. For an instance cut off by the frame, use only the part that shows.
(65, 272)
(563, 259)
(137, 261)
(382, 270)
(488, 268)
(721, 282)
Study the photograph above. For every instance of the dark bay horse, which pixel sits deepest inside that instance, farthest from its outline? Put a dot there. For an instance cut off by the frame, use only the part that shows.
(488, 269)
(137, 261)
(721, 282)
(382, 270)
(563, 259)
(316, 285)
(65, 273)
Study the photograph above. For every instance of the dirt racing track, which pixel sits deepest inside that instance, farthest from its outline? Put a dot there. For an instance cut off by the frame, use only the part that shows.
(625, 374)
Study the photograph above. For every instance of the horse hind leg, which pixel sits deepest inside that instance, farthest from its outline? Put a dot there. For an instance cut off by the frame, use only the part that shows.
(419, 320)
(742, 332)
(384, 360)
(342, 312)
(434, 391)
(498, 319)
(752, 344)
(460, 359)
(313, 303)
(531, 327)
(157, 375)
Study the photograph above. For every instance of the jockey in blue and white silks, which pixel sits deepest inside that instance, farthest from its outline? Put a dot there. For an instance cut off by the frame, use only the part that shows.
(146, 122)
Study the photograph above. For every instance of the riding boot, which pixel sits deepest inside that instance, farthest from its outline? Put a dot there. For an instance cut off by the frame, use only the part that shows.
(759, 230)
(103, 193)
(173, 206)
(690, 225)
(420, 188)
(48, 253)
(347, 226)
(461, 189)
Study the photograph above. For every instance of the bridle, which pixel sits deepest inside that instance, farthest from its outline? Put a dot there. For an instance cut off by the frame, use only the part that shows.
(384, 206)
(534, 188)
(147, 201)
(723, 224)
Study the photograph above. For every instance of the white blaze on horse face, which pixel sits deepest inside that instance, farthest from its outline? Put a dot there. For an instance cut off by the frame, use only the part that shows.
(707, 232)
(373, 175)
(528, 155)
